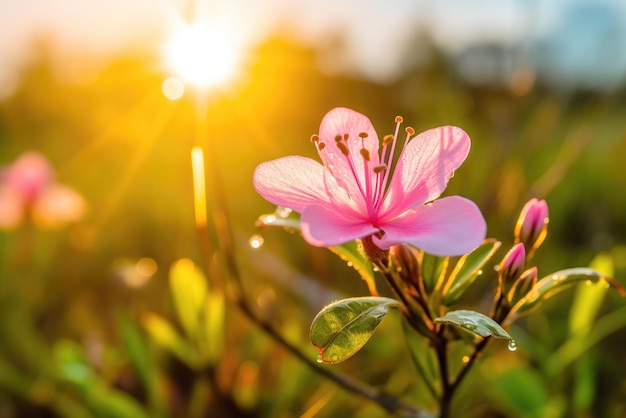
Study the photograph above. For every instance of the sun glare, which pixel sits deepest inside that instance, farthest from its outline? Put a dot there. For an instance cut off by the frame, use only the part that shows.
(202, 54)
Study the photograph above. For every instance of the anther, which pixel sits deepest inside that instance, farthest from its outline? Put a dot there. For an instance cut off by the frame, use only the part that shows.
(399, 119)
(363, 135)
(410, 130)
(380, 168)
(365, 154)
(338, 138)
(321, 146)
(315, 138)
(345, 137)
(388, 139)
(343, 147)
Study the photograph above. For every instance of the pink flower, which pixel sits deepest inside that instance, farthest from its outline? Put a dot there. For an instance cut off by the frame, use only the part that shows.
(532, 224)
(358, 192)
(512, 265)
(29, 186)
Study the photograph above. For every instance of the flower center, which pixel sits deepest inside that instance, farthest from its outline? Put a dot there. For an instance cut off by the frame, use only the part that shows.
(373, 184)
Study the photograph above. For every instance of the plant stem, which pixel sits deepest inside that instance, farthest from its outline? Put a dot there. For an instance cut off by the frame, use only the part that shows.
(447, 390)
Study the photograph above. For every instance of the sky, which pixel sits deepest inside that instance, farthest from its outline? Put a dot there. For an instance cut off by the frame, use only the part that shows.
(569, 40)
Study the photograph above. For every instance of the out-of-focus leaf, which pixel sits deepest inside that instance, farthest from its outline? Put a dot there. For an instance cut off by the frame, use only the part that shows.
(522, 392)
(474, 322)
(343, 327)
(588, 297)
(189, 287)
(467, 269)
(349, 252)
(215, 310)
(71, 364)
(140, 359)
(558, 281)
(165, 335)
(432, 268)
(290, 221)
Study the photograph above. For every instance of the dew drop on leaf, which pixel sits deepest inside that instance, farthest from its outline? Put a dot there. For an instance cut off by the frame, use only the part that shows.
(512, 345)
(256, 241)
(319, 358)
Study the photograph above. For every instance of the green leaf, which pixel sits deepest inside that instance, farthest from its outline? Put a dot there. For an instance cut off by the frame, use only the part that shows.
(558, 281)
(348, 252)
(343, 327)
(474, 322)
(165, 336)
(432, 268)
(189, 288)
(467, 269)
(588, 298)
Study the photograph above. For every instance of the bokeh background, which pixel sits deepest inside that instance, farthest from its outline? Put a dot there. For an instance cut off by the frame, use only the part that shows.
(538, 85)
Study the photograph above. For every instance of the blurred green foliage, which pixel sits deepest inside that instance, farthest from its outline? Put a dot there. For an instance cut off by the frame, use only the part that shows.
(73, 339)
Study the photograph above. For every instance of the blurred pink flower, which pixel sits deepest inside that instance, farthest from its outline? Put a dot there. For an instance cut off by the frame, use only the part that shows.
(29, 187)
(358, 192)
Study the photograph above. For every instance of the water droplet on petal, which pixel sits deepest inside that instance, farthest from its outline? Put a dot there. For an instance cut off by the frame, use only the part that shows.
(512, 345)
(588, 282)
(256, 241)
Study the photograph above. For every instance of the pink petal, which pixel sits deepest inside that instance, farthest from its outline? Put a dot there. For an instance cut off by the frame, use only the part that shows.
(448, 226)
(340, 121)
(325, 226)
(57, 205)
(29, 175)
(11, 208)
(293, 182)
(425, 166)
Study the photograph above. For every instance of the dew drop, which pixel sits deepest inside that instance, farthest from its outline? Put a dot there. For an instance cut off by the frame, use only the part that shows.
(350, 264)
(256, 241)
(512, 345)
(319, 358)
(479, 272)
(282, 212)
(556, 277)
(465, 359)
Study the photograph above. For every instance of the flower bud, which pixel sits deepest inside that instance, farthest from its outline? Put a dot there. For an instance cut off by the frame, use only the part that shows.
(404, 263)
(523, 285)
(512, 266)
(532, 225)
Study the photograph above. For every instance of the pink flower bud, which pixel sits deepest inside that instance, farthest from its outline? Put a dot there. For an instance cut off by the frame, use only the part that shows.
(512, 265)
(532, 225)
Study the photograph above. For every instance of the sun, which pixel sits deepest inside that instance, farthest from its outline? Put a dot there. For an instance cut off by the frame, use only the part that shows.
(202, 54)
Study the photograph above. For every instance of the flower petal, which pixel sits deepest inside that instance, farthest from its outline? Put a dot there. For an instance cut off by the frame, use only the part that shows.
(425, 166)
(293, 182)
(57, 205)
(341, 121)
(324, 226)
(449, 226)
